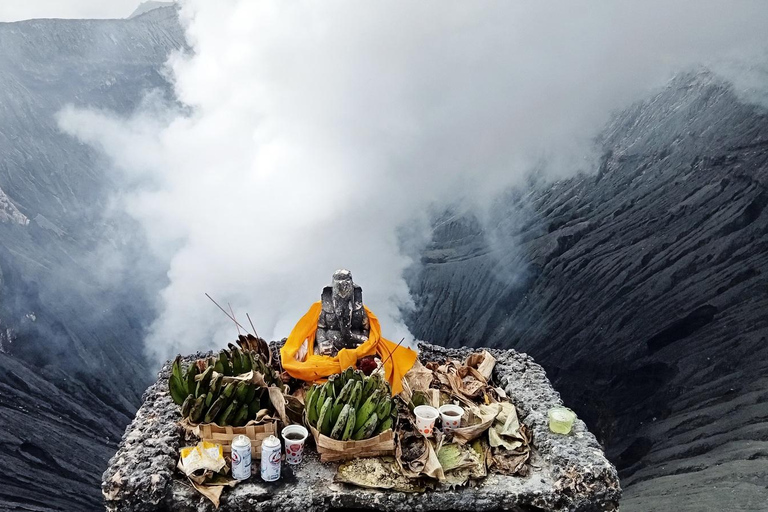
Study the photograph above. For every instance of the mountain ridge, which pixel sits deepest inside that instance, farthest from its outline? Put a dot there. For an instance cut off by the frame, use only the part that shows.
(72, 360)
(147, 6)
(640, 292)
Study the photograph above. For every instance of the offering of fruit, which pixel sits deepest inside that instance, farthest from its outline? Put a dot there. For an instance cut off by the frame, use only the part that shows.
(351, 405)
(203, 396)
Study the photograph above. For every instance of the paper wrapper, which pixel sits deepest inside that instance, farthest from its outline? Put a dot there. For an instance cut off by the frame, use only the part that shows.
(204, 456)
(333, 450)
(202, 464)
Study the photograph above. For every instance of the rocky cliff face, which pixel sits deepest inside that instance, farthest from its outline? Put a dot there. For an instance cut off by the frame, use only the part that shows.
(641, 289)
(72, 369)
(9, 213)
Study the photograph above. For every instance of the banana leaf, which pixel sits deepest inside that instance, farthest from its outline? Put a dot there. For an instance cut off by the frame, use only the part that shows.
(457, 478)
(376, 473)
(462, 463)
(417, 457)
(294, 409)
(505, 431)
(509, 462)
(454, 456)
(212, 486)
(279, 402)
(463, 382)
(418, 378)
(483, 362)
(479, 420)
(481, 453)
(510, 443)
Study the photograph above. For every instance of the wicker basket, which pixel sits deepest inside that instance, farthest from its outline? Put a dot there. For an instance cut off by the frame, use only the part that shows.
(224, 435)
(332, 450)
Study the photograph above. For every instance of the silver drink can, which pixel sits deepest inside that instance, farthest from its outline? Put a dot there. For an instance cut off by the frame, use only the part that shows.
(241, 458)
(271, 454)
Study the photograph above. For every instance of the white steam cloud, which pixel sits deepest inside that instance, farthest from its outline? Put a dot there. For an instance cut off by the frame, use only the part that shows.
(312, 133)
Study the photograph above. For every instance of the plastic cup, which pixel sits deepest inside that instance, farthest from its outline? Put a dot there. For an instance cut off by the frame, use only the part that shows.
(425, 419)
(561, 420)
(451, 415)
(294, 437)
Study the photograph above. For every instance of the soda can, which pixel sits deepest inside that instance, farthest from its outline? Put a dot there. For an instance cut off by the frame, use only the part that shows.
(241, 458)
(270, 459)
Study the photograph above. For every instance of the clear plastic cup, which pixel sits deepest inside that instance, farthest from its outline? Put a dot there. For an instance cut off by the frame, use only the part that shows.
(561, 420)
(294, 437)
(450, 415)
(425, 419)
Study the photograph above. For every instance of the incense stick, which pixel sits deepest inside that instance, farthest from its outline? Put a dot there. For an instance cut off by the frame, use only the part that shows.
(233, 316)
(393, 351)
(252, 327)
(225, 312)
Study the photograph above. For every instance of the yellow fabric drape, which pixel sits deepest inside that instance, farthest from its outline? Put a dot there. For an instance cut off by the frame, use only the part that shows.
(316, 367)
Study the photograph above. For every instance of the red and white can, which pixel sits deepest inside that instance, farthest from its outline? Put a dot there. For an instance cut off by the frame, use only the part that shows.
(241, 458)
(271, 454)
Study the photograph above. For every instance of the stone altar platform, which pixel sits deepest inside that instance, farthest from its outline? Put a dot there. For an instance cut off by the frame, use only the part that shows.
(568, 473)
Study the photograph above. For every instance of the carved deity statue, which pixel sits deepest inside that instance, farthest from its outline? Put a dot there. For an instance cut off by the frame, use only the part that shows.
(343, 322)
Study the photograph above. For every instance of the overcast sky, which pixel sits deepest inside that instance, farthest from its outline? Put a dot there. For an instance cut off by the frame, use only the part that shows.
(15, 10)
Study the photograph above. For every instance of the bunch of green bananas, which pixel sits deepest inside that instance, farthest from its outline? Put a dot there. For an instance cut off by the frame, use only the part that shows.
(204, 397)
(229, 362)
(351, 406)
(237, 361)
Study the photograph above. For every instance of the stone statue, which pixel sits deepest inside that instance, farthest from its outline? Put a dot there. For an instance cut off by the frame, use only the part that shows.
(343, 322)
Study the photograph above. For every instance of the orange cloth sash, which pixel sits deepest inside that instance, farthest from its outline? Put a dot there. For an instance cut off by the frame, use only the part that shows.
(316, 367)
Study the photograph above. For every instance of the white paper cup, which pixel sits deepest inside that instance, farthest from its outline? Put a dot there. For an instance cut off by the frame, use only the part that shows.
(294, 448)
(425, 419)
(451, 415)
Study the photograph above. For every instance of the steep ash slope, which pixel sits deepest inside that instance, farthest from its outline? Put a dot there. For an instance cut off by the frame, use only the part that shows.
(642, 289)
(55, 439)
(72, 369)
